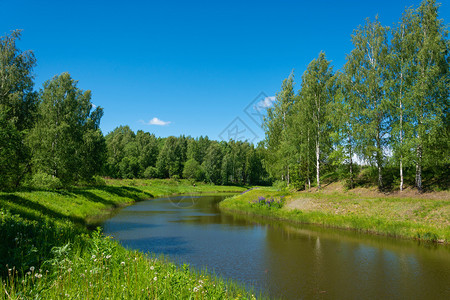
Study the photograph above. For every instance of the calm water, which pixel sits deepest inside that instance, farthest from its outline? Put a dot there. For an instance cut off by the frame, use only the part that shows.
(287, 261)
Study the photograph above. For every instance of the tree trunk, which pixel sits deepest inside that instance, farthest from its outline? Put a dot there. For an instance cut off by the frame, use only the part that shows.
(307, 160)
(419, 169)
(380, 177)
(401, 133)
(379, 161)
(351, 165)
(288, 177)
(318, 163)
(401, 173)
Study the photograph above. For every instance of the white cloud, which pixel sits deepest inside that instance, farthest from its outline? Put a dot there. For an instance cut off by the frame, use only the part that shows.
(265, 103)
(156, 121)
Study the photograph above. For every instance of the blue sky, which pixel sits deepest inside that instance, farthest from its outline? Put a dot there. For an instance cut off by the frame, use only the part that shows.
(195, 64)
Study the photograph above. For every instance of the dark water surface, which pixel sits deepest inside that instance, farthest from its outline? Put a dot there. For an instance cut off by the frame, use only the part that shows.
(284, 260)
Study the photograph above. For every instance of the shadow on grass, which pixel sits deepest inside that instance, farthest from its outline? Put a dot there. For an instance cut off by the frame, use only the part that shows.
(31, 210)
(125, 192)
(30, 229)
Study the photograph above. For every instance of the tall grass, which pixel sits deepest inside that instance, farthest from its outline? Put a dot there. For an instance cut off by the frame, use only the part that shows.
(94, 267)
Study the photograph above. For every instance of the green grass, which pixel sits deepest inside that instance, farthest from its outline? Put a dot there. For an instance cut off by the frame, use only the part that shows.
(47, 251)
(423, 219)
(159, 187)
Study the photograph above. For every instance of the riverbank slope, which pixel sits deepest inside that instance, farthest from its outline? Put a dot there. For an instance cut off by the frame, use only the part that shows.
(403, 215)
(47, 251)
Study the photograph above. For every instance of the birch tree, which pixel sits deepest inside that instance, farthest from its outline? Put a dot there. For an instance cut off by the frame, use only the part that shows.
(366, 72)
(275, 127)
(318, 90)
(427, 99)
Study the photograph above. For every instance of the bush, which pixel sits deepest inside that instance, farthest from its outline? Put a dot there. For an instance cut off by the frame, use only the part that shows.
(193, 170)
(98, 181)
(45, 181)
(280, 185)
(151, 172)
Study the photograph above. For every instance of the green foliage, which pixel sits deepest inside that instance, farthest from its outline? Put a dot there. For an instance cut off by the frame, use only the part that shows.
(212, 163)
(279, 151)
(66, 141)
(389, 105)
(17, 109)
(364, 76)
(421, 55)
(151, 172)
(193, 170)
(280, 185)
(11, 152)
(17, 98)
(98, 181)
(317, 93)
(171, 157)
(115, 145)
(45, 181)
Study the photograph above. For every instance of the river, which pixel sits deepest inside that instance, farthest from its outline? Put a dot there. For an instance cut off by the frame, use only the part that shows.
(282, 260)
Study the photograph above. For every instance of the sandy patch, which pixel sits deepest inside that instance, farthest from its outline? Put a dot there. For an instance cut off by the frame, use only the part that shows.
(302, 204)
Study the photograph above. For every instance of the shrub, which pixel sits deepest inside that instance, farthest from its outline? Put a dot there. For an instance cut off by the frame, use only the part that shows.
(98, 181)
(193, 170)
(280, 185)
(45, 181)
(151, 172)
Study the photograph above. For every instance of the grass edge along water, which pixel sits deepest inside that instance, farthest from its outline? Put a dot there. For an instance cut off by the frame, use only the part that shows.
(48, 252)
(410, 218)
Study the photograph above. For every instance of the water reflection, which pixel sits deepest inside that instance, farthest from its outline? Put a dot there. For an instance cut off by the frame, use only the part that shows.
(289, 261)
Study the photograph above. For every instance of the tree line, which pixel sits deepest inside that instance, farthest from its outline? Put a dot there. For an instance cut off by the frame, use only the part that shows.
(387, 109)
(143, 155)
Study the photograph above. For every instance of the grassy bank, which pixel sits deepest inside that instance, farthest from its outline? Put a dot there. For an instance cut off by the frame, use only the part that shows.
(419, 217)
(47, 251)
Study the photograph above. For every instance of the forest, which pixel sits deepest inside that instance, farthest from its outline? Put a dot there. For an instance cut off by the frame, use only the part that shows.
(381, 120)
(385, 112)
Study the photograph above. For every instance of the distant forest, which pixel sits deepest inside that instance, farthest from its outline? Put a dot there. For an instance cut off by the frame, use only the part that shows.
(381, 120)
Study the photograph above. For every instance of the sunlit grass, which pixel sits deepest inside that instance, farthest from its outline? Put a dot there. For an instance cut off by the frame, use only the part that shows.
(47, 251)
(423, 219)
